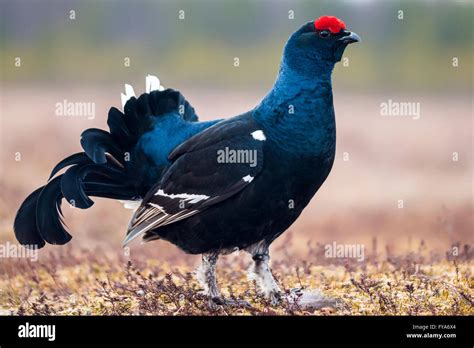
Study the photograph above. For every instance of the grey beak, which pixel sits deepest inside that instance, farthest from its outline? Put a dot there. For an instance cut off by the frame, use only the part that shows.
(352, 37)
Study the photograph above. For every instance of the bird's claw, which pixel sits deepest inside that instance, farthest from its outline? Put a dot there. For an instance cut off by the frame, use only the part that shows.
(222, 301)
(274, 297)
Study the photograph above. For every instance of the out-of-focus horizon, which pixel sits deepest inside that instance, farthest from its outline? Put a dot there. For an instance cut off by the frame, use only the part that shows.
(411, 50)
(400, 179)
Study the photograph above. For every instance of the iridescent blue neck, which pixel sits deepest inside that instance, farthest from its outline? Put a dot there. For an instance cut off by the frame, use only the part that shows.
(298, 112)
(293, 86)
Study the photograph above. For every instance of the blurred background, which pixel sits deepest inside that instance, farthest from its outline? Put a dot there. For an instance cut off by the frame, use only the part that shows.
(399, 183)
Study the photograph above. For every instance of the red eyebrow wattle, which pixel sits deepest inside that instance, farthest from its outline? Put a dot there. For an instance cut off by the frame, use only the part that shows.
(331, 23)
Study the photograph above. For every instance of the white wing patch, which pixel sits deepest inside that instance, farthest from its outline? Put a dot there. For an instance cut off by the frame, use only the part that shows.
(247, 178)
(157, 207)
(131, 236)
(190, 198)
(259, 135)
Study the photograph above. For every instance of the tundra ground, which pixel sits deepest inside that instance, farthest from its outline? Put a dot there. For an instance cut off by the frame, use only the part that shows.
(89, 283)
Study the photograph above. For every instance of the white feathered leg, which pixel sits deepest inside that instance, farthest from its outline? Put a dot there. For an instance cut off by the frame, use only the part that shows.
(206, 275)
(260, 272)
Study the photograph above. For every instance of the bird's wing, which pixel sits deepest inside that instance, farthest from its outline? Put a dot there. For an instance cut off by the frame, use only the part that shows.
(209, 168)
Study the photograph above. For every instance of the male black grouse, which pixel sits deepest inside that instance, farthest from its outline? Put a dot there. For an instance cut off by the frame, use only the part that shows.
(208, 187)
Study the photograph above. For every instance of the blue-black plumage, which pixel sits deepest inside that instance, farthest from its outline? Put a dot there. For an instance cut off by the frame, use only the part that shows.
(208, 187)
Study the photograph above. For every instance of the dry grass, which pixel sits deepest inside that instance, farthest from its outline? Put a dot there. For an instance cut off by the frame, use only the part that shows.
(82, 282)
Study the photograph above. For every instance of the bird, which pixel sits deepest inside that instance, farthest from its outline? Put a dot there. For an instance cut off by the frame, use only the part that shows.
(213, 187)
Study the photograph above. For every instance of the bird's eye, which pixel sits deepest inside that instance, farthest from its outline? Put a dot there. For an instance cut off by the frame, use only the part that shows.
(324, 34)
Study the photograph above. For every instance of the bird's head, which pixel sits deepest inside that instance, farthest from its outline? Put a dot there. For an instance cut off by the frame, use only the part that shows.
(318, 45)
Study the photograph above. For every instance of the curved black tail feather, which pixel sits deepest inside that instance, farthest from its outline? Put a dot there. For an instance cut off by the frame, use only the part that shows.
(26, 230)
(99, 171)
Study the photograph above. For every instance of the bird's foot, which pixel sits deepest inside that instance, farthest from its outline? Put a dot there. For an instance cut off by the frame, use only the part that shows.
(216, 301)
(274, 296)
